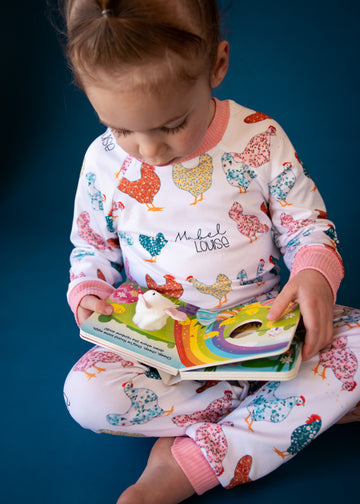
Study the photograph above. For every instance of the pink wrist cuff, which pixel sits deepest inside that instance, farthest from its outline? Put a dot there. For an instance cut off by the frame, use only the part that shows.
(194, 465)
(323, 259)
(95, 287)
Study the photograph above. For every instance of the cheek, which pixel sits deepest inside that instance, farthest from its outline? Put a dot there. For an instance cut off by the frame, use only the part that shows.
(195, 135)
(127, 145)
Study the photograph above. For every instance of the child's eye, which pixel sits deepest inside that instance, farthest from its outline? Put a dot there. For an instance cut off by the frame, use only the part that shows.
(165, 129)
(176, 129)
(121, 132)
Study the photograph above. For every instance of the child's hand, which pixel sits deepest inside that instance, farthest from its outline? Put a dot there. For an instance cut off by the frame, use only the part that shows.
(311, 291)
(90, 304)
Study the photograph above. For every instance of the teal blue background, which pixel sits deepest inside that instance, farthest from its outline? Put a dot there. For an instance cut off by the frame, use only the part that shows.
(299, 63)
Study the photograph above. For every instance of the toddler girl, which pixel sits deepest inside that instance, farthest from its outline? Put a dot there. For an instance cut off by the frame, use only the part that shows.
(198, 198)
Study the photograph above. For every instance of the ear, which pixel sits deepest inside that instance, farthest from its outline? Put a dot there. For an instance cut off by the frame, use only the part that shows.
(221, 64)
(175, 314)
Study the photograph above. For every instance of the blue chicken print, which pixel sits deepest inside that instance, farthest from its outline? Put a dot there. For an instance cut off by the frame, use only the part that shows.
(302, 436)
(153, 245)
(238, 173)
(243, 277)
(143, 407)
(95, 195)
(331, 233)
(266, 406)
(126, 237)
(79, 254)
(282, 185)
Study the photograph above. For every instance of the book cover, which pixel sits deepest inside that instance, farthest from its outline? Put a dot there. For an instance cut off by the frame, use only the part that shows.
(205, 339)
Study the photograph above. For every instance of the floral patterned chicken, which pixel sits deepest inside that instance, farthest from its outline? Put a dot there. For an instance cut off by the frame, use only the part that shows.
(211, 438)
(211, 413)
(269, 408)
(94, 356)
(143, 407)
(341, 360)
(248, 225)
(302, 436)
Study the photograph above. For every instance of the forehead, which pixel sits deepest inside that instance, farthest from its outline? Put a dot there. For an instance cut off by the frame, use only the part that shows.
(150, 74)
(143, 98)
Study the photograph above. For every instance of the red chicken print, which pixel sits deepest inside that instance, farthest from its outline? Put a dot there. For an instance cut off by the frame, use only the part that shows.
(93, 357)
(302, 436)
(292, 224)
(257, 151)
(212, 413)
(241, 474)
(171, 288)
(143, 189)
(88, 234)
(212, 439)
(256, 117)
(341, 360)
(248, 225)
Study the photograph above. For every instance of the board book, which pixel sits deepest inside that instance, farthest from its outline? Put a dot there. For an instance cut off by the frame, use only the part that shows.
(234, 343)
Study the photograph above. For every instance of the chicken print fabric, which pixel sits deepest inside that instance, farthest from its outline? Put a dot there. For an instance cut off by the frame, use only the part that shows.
(194, 180)
(302, 436)
(244, 200)
(209, 231)
(144, 406)
(270, 408)
(144, 189)
(243, 431)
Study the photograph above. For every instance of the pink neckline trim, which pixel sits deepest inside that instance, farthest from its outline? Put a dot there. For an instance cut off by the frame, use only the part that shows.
(216, 129)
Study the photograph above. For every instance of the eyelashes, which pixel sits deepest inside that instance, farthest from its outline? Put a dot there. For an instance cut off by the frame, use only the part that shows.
(120, 132)
(169, 131)
(173, 131)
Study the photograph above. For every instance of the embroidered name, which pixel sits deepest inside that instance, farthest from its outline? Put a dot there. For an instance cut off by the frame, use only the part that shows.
(108, 142)
(206, 241)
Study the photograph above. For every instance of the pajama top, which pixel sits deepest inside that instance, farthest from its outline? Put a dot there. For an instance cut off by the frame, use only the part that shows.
(209, 230)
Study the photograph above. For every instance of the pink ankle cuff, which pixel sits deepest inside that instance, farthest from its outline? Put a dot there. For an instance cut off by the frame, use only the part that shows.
(194, 465)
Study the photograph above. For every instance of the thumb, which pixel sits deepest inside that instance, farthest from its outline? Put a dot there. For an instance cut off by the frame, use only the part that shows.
(280, 304)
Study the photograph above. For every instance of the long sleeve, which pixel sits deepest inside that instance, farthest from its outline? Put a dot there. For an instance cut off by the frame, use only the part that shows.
(96, 260)
(302, 231)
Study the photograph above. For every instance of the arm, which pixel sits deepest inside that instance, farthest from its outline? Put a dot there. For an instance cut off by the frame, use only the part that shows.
(96, 259)
(308, 242)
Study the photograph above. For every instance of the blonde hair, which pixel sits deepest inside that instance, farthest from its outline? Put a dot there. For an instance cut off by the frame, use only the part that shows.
(105, 34)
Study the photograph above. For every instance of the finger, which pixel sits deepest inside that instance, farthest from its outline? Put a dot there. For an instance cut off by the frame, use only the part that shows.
(319, 332)
(83, 314)
(280, 304)
(313, 345)
(94, 304)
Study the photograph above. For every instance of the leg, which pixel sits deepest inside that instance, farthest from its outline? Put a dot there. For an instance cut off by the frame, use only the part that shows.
(171, 487)
(286, 416)
(130, 398)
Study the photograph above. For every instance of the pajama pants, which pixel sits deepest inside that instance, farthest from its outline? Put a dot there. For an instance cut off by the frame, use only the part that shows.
(245, 430)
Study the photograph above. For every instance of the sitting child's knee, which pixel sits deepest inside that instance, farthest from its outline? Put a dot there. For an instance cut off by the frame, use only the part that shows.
(84, 400)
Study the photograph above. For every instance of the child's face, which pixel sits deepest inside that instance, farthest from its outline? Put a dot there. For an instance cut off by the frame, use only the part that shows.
(156, 116)
(159, 125)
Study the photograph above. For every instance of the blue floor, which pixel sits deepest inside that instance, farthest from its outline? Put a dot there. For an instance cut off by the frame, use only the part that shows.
(45, 457)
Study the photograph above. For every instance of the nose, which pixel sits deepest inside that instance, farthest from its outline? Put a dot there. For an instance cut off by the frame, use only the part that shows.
(152, 149)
